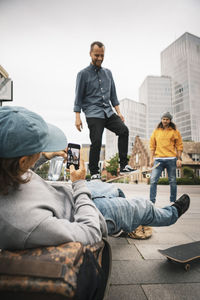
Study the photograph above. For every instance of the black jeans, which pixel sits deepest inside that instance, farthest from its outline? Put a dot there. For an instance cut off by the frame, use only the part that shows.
(96, 127)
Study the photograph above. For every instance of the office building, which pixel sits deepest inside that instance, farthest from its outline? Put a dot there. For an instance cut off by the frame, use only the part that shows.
(155, 93)
(181, 61)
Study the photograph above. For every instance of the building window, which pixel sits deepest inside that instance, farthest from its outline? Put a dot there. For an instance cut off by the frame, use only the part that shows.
(137, 158)
(178, 173)
(164, 175)
(195, 157)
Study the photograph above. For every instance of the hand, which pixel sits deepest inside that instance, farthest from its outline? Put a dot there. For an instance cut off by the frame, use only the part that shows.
(121, 117)
(77, 174)
(151, 163)
(179, 163)
(50, 155)
(79, 124)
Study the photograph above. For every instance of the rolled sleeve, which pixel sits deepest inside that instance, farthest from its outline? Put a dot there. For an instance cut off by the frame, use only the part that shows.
(152, 143)
(113, 93)
(179, 142)
(79, 92)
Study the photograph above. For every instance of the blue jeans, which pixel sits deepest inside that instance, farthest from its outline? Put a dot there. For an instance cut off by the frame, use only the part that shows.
(170, 165)
(127, 214)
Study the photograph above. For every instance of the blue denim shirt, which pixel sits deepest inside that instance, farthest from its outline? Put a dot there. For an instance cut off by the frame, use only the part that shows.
(95, 92)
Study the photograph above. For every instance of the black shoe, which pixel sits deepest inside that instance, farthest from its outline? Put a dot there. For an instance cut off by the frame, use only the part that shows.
(126, 169)
(182, 204)
(95, 176)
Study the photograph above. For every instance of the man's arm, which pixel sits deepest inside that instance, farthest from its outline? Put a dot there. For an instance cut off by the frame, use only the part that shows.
(47, 156)
(152, 149)
(79, 95)
(179, 159)
(119, 113)
(78, 122)
(84, 228)
(179, 150)
(113, 93)
(113, 97)
(152, 152)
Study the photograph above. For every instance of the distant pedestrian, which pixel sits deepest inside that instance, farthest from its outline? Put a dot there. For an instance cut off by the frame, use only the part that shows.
(166, 148)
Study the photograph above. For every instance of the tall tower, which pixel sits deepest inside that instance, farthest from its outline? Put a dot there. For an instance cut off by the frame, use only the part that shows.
(135, 119)
(155, 93)
(181, 61)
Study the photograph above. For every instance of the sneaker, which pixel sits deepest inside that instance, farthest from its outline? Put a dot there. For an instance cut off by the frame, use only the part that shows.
(182, 204)
(141, 233)
(95, 176)
(127, 169)
(147, 231)
(137, 234)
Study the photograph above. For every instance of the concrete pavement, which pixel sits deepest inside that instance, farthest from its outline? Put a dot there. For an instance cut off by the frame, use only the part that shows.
(139, 271)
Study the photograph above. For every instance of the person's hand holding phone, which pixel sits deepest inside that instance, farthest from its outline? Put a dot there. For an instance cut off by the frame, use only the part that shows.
(77, 174)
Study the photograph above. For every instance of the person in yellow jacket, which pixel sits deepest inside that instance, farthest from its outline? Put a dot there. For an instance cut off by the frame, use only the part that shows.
(166, 148)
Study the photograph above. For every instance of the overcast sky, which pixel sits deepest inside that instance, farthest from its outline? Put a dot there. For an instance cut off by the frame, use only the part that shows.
(44, 43)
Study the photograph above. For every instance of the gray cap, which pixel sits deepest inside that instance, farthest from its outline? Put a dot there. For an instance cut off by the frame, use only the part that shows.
(23, 132)
(167, 115)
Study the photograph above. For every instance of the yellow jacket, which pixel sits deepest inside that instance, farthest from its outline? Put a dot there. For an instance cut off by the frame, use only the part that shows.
(166, 142)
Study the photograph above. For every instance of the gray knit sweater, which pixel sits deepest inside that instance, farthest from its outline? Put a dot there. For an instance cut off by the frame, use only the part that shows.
(39, 214)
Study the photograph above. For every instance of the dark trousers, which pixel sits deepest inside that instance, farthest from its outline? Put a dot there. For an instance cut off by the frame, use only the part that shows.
(96, 127)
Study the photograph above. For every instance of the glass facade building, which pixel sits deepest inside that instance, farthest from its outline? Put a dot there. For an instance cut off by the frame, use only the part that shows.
(155, 93)
(135, 119)
(181, 61)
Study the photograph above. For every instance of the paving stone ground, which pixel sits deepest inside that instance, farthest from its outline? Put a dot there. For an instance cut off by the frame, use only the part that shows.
(139, 271)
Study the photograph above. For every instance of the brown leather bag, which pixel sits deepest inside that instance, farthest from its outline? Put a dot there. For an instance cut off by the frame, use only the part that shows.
(67, 271)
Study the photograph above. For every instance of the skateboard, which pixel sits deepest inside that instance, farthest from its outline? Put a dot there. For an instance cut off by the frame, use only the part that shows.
(144, 172)
(183, 254)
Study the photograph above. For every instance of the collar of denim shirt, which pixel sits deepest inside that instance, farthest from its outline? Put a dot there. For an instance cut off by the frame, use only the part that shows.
(94, 68)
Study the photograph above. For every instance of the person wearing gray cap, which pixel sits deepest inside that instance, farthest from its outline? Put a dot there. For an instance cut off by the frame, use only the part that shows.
(32, 212)
(165, 148)
(35, 213)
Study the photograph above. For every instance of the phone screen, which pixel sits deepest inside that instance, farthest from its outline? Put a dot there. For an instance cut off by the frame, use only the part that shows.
(73, 155)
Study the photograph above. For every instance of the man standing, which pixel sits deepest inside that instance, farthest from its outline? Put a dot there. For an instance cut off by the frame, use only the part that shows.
(166, 148)
(95, 93)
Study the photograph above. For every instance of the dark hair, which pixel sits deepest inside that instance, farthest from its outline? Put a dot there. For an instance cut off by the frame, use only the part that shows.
(10, 175)
(99, 44)
(171, 124)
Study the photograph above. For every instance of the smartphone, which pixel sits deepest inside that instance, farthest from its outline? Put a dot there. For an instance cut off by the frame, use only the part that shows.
(73, 155)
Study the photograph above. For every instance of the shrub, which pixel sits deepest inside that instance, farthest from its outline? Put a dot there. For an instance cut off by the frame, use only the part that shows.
(112, 168)
(188, 181)
(188, 172)
(88, 177)
(181, 181)
(163, 181)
